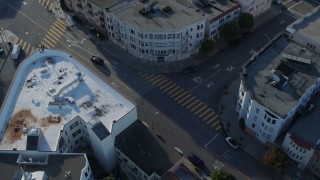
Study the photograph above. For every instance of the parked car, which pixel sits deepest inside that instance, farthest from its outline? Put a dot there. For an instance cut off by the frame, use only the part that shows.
(232, 142)
(97, 60)
(191, 69)
(195, 160)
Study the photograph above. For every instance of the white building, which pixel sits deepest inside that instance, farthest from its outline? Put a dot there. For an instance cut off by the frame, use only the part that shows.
(254, 7)
(160, 30)
(306, 30)
(22, 165)
(55, 104)
(276, 87)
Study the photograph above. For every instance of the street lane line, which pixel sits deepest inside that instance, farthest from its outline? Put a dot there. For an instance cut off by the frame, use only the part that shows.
(46, 46)
(24, 44)
(55, 42)
(214, 124)
(205, 80)
(156, 81)
(27, 48)
(204, 112)
(165, 90)
(177, 87)
(54, 33)
(154, 78)
(185, 92)
(53, 36)
(188, 101)
(211, 140)
(170, 82)
(164, 81)
(208, 116)
(200, 109)
(173, 95)
(194, 102)
(48, 42)
(196, 106)
(184, 98)
(295, 5)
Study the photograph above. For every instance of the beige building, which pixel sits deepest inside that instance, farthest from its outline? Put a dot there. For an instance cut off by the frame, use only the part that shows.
(254, 7)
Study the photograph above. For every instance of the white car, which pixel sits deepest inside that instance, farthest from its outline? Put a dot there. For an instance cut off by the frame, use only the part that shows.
(232, 142)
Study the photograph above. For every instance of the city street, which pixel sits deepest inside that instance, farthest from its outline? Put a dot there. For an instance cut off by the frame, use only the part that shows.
(183, 109)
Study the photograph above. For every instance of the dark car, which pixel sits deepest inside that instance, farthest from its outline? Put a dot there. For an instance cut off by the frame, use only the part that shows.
(191, 69)
(97, 60)
(195, 160)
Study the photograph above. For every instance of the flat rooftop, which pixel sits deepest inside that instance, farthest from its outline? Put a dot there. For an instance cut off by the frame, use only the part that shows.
(105, 3)
(309, 25)
(281, 74)
(56, 168)
(146, 150)
(307, 126)
(49, 90)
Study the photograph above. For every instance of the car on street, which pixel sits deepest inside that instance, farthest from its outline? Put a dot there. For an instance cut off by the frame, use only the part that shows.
(195, 160)
(232, 142)
(96, 60)
(190, 69)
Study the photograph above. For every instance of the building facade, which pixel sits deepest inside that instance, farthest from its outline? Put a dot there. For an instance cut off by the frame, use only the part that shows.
(254, 7)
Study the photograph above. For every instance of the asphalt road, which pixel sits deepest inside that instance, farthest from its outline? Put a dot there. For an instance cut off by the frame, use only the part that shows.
(158, 107)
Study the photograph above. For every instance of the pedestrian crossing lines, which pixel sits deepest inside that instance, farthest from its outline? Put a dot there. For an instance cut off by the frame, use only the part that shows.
(46, 3)
(55, 32)
(25, 46)
(184, 98)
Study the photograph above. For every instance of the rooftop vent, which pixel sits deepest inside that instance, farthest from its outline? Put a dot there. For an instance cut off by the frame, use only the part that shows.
(145, 10)
(33, 139)
(166, 9)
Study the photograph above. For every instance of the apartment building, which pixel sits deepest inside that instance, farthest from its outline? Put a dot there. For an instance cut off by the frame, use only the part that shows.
(159, 30)
(302, 141)
(21, 165)
(254, 7)
(55, 104)
(276, 87)
(306, 30)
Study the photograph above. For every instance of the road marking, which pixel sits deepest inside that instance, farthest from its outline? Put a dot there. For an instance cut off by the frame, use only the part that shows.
(200, 109)
(295, 5)
(51, 35)
(180, 95)
(196, 106)
(211, 140)
(165, 90)
(20, 42)
(164, 81)
(48, 42)
(32, 49)
(61, 24)
(290, 15)
(184, 98)
(57, 26)
(180, 90)
(173, 90)
(42, 3)
(156, 81)
(46, 46)
(188, 100)
(208, 116)
(212, 119)
(214, 124)
(24, 44)
(55, 42)
(147, 78)
(170, 82)
(205, 80)
(27, 48)
(54, 33)
(146, 74)
(154, 78)
(56, 30)
(193, 103)
(219, 127)
(204, 112)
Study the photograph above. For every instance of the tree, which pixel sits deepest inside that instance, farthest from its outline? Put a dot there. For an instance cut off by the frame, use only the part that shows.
(230, 31)
(207, 46)
(222, 175)
(245, 21)
(274, 158)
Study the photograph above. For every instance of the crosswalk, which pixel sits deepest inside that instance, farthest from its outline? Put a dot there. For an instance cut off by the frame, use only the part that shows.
(46, 3)
(184, 98)
(50, 39)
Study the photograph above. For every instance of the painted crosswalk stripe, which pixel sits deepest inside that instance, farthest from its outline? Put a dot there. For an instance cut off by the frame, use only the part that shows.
(58, 24)
(185, 92)
(144, 75)
(32, 49)
(48, 3)
(27, 48)
(42, 3)
(204, 113)
(214, 124)
(55, 42)
(52, 35)
(212, 119)
(170, 82)
(166, 89)
(217, 128)
(60, 21)
(158, 80)
(24, 44)
(177, 87)
(203, 107)
(20, 41)
(45, 45)
(48, 42)
(59, 27)
(208, 116)
(154, 78)
(162, 82)
(197, 100)
(196, 106)
(56, 30)
(184, 98)
(147, 78)
(180, 90)
(188, 101)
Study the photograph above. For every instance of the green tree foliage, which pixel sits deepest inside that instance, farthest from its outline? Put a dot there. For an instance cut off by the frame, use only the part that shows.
(275, 158)
(207, 46)
(230, 31)
(222, 175)
(245, 21)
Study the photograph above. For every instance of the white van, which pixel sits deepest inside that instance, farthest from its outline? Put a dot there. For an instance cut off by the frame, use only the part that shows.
(16, 51)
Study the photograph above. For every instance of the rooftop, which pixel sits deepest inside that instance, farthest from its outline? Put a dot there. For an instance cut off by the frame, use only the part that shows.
(57, 166)
(149, 152)
(306, 129)
(49, 90)
(281, 74)
(105, 3)
(309, 25)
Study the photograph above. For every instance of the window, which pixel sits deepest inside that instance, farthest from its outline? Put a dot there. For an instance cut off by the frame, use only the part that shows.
(74, 125)
(257, 110)
(273, 121)
(150, 36)
(304, 151)
(76, 133)
(268, 120)
(253, 125)
(66, 133)
(301, 158)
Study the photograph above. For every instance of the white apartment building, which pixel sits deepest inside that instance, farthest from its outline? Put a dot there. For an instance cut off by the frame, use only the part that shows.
(160, 30)
(276, 87)
(32, 165)
(254, 7)
(306, 30)
(55, 104)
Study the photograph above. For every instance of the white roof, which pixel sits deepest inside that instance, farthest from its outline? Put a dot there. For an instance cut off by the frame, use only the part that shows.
(39, 98)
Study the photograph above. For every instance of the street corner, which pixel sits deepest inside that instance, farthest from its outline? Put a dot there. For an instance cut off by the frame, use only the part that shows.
(9, 36)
